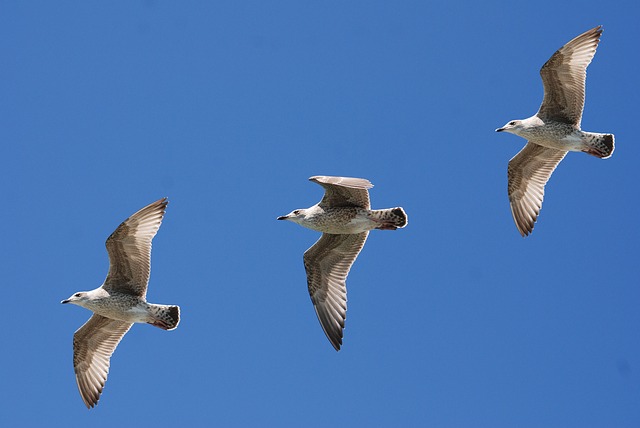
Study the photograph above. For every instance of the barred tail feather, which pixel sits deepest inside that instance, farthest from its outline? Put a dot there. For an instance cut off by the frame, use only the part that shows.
(602, 145)
(400, 217)
(166, 317)
(391, 218)
(609, 142)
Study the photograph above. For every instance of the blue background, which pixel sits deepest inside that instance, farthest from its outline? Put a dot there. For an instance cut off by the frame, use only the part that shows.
(227, 108)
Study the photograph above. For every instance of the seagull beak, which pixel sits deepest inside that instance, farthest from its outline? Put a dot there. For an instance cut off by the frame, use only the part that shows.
(499, 129)
(282, 217)
(65, 301)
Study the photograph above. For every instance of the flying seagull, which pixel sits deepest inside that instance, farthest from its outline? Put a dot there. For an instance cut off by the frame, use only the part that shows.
(119, 302)
(344, 216)
(554, 130)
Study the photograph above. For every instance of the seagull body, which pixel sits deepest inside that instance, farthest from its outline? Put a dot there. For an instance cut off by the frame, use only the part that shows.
(554, 130)
(344, 216)
(344, 220)
(123, 307)
(119, 302)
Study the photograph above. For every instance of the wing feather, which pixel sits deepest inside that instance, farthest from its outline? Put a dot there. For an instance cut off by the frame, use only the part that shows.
(129, 248)
(93, 345)
(327, 264)
(564, 76)
(344, 191)
(528, 173)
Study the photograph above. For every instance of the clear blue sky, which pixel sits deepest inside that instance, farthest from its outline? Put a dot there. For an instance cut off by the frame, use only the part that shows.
(227, 108)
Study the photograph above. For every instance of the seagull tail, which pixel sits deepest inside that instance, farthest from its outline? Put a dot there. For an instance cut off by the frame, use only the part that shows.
(600, 145)
(390, 218)
(165, 317)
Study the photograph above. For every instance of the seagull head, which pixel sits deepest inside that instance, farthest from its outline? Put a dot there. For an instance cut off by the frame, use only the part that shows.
(77, 298)
(296, 216)
(513, 127)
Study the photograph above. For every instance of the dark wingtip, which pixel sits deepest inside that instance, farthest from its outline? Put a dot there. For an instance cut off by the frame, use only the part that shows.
(336, 344)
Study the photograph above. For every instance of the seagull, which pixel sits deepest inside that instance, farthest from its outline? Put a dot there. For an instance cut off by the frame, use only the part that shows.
(554, 130)
(119, 302)
(344, 216)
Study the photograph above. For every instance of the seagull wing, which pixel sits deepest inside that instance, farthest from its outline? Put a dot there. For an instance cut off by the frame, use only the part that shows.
(528, 173)
(563, 78)
(327, 264)
(344, 191)
(129, 249)
(93, 345)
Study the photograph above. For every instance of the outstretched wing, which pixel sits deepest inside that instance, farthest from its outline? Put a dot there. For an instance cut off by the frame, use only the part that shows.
(528, 172)
(327, 264)
(129, 249)
(344, 191)
(564, 76)
(93, 345)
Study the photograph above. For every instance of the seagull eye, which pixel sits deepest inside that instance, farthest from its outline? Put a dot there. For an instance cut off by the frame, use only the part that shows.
(513, 122)
(296, 212)
(77, 295)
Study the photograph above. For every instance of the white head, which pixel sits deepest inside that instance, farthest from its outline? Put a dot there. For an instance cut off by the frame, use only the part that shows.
(296, 216)
(514, 127)
(524, 128)
(79, 299)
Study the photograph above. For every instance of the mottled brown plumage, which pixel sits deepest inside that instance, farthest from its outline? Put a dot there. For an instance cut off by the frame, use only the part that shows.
(119, 302)
(554, 130)
(345, 217)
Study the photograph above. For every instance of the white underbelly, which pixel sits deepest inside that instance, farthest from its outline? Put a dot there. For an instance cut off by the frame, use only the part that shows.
(571, 143)
(132, 315)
